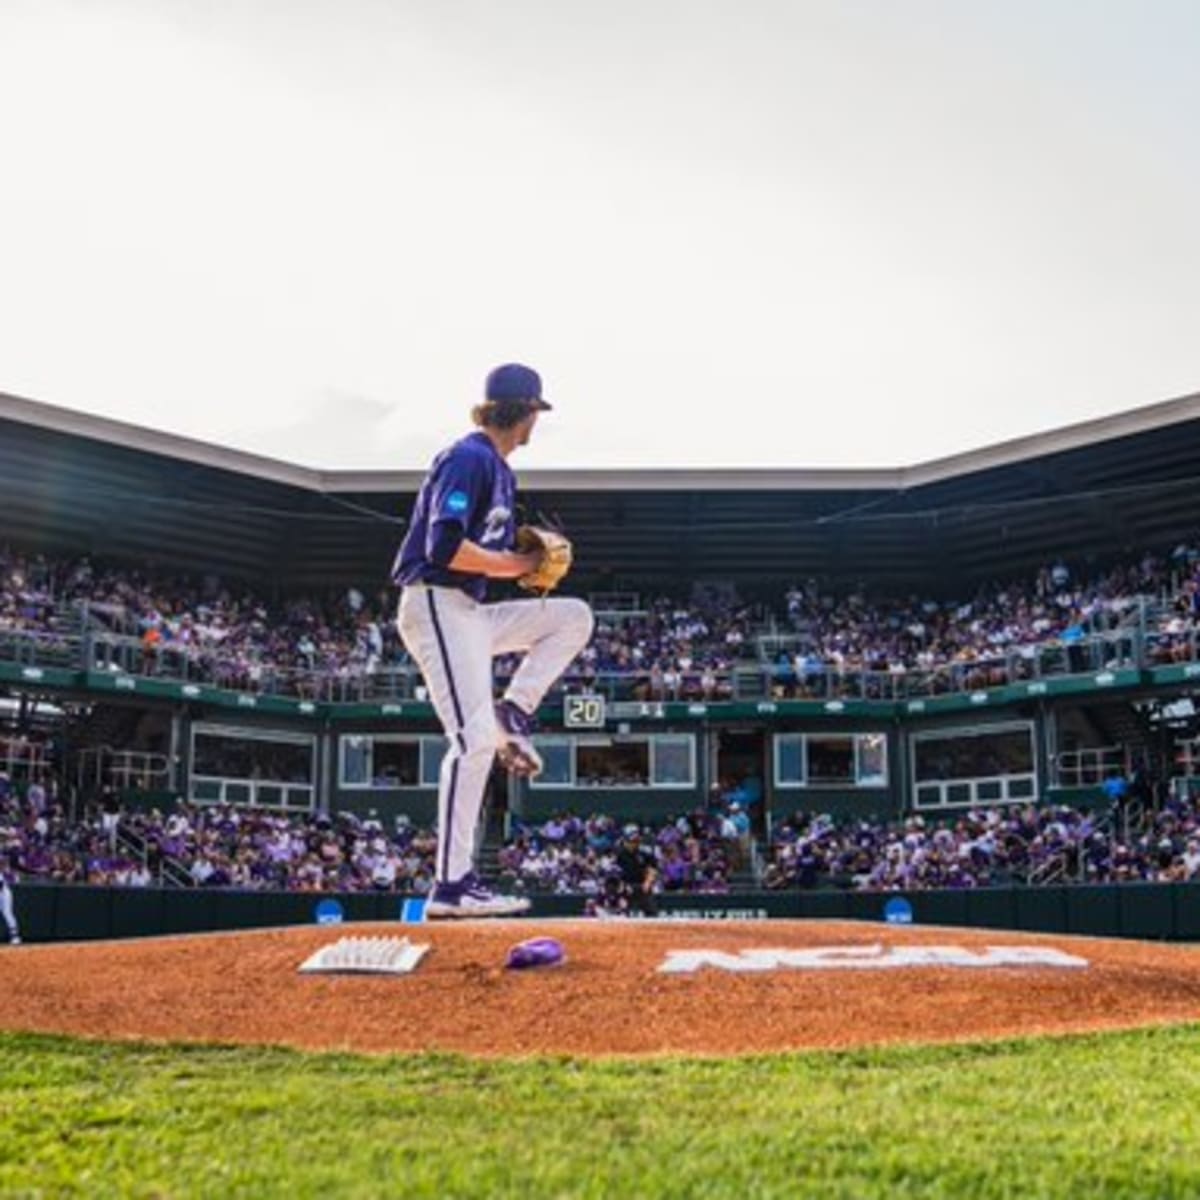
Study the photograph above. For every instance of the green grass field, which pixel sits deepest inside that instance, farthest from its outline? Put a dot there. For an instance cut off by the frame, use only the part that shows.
(1115, 1115)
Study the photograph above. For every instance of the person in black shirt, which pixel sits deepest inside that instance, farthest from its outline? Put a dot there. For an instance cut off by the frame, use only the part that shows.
(639, 872)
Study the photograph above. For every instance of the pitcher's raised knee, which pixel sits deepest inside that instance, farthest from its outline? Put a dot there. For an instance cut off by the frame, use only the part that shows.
(577, 615)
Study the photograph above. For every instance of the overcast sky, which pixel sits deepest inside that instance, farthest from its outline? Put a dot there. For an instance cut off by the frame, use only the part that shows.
(727, 232)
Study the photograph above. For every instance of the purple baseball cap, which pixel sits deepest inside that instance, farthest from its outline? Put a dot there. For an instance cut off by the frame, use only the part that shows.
(512, 381)
(536, 952)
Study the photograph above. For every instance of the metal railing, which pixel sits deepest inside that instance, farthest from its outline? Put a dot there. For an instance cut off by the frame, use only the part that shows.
(1133, 818)
(125, 770)
(23, 758)
(1089, 767)
(1165, 647)
(171, 873)
(617, 605)
(757, 863)
(1125, 823)
(39, 648)
(120, 654)
(1046, 660)
(117, 654)
(1052, 870)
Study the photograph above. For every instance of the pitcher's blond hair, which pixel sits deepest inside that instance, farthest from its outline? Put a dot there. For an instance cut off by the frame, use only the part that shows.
(500, 414)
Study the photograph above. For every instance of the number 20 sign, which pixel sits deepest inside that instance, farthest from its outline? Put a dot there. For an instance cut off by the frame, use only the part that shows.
(583, 712)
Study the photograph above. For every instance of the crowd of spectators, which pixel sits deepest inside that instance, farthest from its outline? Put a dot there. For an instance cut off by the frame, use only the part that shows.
(39, 840)
(987, 847)
(602, 857)
(225, 635)
(599, 856)
(225, 846)
(985, 640)
(664, 648)
(991, 846)
(202, 846)
(673, 651)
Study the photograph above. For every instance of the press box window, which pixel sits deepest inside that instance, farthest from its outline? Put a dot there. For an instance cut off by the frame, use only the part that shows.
(789, 759)
(661, 761)
(846, 760)
(980, 765)
(870, 759)
(245, 756)
(386, 762)
(625, 764)
(253, 766)
(558, 760)
(830, 760)
(673, 764)
(974, 754)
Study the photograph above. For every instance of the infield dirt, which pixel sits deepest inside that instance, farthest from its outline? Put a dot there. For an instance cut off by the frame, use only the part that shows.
(608, 998)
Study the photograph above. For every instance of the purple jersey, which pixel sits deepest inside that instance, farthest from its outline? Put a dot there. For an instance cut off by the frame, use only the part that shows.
(468, 494)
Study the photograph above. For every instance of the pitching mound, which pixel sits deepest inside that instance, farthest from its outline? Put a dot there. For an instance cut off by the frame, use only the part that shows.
(737, 987)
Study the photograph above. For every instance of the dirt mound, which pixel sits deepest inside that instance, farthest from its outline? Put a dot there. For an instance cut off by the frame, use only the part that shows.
(609, 998)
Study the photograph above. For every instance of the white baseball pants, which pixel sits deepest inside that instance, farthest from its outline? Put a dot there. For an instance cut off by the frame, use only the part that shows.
(453, 639)
(6, 911)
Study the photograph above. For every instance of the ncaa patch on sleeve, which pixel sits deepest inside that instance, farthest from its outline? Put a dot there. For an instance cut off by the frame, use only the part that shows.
(457, 502)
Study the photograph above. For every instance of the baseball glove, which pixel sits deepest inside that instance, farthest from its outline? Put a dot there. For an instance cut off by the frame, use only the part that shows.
(555, 561)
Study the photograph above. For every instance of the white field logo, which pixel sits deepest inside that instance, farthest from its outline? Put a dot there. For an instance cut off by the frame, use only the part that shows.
(874, 957)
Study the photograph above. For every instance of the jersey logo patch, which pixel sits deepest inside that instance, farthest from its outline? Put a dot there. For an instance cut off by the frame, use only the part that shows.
(496, 525)
(457, 502)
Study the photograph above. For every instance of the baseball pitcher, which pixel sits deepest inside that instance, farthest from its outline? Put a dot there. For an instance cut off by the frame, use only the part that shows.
(462, 533)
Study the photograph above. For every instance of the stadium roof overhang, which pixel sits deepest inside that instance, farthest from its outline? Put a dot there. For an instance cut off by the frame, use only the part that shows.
(903, 478)
(1097, 489)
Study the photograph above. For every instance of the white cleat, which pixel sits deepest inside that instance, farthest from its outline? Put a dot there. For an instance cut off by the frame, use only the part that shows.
(469, 898)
